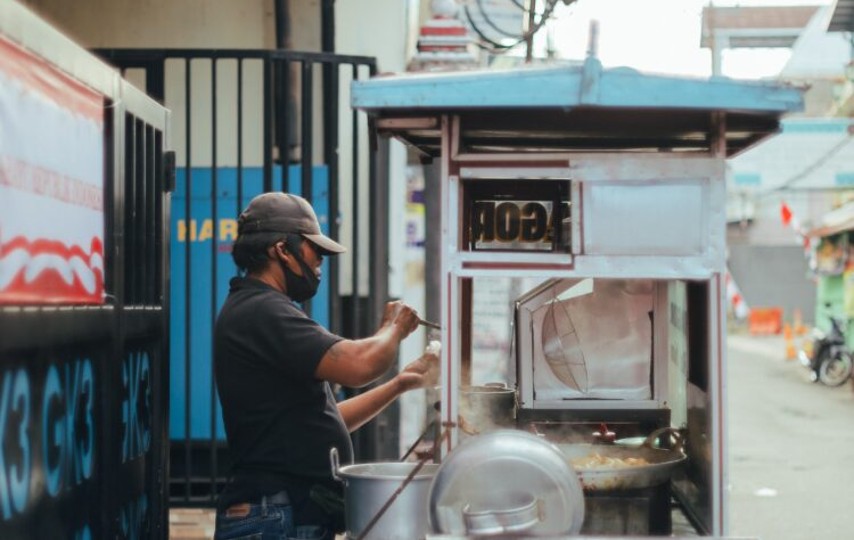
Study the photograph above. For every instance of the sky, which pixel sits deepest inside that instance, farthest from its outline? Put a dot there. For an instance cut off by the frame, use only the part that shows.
(660, 36)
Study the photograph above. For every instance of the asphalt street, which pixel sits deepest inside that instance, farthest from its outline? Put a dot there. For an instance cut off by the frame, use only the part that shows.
(791, 447)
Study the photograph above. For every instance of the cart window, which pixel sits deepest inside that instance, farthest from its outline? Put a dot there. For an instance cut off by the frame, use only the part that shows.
(518, 215)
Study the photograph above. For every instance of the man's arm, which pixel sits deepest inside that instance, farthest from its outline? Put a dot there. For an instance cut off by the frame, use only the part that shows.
(356, 363)
(359, 410)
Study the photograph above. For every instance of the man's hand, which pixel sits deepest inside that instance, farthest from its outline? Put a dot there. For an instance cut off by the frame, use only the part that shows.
(421, 373)
(401, 316)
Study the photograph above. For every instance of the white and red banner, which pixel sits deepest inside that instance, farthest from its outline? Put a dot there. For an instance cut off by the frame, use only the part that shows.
(51, 184)
(736, 300)
(790, 220)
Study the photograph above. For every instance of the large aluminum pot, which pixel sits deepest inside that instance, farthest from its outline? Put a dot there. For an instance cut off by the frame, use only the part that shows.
(660, 463)
(369, 486)
(487, 408)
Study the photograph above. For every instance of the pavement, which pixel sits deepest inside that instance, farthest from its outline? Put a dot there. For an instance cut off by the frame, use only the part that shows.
(191, 523)
(790, 446)
(769, 346)
(766, 347)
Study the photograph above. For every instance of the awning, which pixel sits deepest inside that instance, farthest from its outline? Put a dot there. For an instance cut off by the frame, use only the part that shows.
(575, 108)
(835, 222)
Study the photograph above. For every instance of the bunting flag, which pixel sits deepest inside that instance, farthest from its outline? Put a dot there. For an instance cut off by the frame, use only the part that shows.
(736, 301)
(790, 220)
(785, 213)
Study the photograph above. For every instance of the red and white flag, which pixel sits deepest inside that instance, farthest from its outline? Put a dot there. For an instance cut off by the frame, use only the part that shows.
(791, 220)
(786, 213)
(736, 300)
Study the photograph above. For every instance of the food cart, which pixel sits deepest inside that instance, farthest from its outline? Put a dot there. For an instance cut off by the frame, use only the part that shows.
(605, 190)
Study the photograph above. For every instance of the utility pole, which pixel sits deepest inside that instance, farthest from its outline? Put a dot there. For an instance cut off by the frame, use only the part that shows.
(529, 50)
(714, 40)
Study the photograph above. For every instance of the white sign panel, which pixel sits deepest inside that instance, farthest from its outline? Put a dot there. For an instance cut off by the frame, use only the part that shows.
(51, 184)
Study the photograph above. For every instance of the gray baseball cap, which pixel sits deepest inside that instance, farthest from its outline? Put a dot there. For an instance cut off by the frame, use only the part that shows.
(285, 213)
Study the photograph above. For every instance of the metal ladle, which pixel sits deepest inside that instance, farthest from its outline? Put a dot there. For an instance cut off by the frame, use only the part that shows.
(428, 324)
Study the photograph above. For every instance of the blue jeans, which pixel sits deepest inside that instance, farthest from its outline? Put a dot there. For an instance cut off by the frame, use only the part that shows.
(266, 521)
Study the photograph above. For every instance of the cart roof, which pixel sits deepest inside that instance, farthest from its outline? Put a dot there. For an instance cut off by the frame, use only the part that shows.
(580, 107)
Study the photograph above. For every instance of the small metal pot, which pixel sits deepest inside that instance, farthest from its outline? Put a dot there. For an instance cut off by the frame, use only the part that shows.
(487, 408)
(506, 513)
(369, 486)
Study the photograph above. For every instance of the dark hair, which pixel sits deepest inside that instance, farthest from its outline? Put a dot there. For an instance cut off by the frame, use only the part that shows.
(249, 251)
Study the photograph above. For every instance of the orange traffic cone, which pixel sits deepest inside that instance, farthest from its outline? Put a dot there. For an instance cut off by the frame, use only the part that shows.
(799, 327)
(791, 352)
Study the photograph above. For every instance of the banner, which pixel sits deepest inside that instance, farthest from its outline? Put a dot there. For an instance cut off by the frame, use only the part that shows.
(51, 184)
(736, 300)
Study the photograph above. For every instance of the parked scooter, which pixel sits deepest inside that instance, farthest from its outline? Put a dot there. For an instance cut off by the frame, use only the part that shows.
(830, 361)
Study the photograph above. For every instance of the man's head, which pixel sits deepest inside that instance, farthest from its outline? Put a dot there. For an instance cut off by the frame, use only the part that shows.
(278, 212)
(283, 228)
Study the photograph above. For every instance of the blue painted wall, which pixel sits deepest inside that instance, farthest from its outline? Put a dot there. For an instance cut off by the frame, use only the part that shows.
(202, 228)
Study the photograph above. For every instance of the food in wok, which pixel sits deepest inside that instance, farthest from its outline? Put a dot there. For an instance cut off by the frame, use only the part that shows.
(598, 461)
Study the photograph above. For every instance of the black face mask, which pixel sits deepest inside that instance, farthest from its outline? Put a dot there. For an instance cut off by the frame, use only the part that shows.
(299, 288)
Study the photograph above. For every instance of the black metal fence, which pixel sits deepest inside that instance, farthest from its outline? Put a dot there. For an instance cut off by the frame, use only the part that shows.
(245, 122)
(83, 395)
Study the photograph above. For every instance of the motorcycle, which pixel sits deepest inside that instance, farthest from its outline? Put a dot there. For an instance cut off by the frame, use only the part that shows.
(830, 362)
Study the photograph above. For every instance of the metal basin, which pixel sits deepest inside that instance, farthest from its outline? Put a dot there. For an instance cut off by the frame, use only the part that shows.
(369, 486)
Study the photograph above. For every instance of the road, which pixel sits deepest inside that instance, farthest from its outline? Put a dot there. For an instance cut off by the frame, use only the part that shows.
(791, 447)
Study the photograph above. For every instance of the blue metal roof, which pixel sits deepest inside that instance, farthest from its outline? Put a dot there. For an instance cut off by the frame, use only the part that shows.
(576, 108)
(571, 86)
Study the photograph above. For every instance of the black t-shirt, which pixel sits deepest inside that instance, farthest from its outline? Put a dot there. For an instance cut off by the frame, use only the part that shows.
(280, 421)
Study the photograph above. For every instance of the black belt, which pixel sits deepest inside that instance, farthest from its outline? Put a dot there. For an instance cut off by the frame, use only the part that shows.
(276, 498)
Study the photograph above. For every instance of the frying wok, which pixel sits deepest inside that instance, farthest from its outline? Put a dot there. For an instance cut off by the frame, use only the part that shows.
(662, 463)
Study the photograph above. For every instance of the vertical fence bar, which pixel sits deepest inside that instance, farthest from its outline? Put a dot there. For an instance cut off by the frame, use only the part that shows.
(287, 118)
(269, 124)
(159, 212)
(330, 157)
(306, 142)
(128, 210)
(188, 274)
(140, 274)
(283, 116)
(110, 207)
(354, 308)
(379, 210)
(151, 258)
(214, 280)
(239, 135)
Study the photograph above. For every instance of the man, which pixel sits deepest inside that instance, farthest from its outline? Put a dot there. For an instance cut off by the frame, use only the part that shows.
(273, 368)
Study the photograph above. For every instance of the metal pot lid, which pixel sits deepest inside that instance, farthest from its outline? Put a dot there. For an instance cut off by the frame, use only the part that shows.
(507, 481)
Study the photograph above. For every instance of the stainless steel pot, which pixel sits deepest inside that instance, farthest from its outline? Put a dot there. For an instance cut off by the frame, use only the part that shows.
(487, 408)
(662, 463)
(369, 486)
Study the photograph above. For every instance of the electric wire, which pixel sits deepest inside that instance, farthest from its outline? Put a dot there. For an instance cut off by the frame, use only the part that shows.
(495, 47)
(806, 171)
